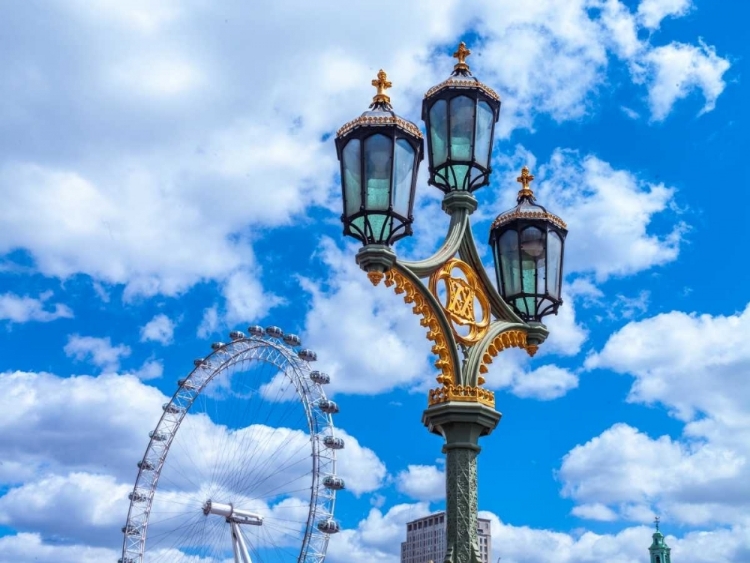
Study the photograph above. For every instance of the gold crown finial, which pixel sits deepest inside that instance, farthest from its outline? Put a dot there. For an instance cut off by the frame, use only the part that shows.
(525, 179)
(382, 84)
(461, 53)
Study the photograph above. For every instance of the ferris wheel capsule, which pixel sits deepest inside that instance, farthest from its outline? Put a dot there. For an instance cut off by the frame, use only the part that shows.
(333, 442)
(217, 345)
(236, 335)
(274, 332)
(292, 339)
(199, 362)
(333, 482)
(307, 355)
(256, 330)
(328, 406)
(320, 378)
(329, 526)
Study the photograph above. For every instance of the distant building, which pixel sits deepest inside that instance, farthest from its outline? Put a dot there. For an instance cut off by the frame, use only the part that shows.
(425, 540)
(659, 550)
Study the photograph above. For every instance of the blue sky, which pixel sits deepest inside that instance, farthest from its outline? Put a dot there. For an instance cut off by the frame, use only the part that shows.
(168, 174)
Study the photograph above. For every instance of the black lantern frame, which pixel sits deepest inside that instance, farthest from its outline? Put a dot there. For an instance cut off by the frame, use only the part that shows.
(387, 223)
(528, 246)
(454, 166)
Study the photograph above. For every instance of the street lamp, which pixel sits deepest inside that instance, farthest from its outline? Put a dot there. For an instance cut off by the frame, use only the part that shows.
(468, 320)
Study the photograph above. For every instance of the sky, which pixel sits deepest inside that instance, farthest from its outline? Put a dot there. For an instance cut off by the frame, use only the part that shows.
(169, 174)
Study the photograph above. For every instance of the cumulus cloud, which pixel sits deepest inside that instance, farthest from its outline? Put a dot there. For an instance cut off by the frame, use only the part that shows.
(80, 437)
(23, 309)
(694, 368)
(374, 339)
(609, 213)
(677, 69)
(268, 157)
(422, 482)
(98, 351)
(159, 329)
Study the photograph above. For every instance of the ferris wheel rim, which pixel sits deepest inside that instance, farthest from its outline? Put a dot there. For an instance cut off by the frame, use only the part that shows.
(295, 367)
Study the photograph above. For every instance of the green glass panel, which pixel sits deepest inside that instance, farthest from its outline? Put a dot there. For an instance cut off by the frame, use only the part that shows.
(485, 124)
(378, 166)
(358, 226)
(457, 176)
(509, 263)
(352, 177)
(377, 223)
(462, 127)
(554, 254)
(532, 262)
(403, 170)
(439, 132)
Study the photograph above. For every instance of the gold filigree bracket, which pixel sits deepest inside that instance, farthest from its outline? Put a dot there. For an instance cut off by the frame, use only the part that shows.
(461, 393)
(465, 302)
(435, 333)
(507, 339)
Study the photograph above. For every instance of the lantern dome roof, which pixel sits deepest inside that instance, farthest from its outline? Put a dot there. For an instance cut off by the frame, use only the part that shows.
(380, 112)
(527, 208)
(461, 77)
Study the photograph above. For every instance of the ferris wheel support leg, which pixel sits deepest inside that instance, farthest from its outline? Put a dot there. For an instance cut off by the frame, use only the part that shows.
(241, 554)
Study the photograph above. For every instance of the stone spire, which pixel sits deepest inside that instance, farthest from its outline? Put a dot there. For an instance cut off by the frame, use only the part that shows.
(659, 550)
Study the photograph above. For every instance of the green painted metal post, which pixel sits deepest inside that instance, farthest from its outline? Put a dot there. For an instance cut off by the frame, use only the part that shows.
(461, 424)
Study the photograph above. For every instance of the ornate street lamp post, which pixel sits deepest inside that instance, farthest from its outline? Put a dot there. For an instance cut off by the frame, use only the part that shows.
(467, 319)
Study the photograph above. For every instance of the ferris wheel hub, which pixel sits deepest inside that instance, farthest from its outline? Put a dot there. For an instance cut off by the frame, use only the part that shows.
(232, 514)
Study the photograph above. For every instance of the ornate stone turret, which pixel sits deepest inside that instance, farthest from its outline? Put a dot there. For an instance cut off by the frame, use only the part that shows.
(659, 550)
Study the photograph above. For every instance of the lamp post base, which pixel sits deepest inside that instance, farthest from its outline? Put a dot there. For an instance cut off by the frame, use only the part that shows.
(461, 424)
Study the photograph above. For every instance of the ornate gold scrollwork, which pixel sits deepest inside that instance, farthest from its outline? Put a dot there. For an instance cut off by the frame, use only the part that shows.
(508, 339)
(460, 295)
(429, 319)
(463, 393)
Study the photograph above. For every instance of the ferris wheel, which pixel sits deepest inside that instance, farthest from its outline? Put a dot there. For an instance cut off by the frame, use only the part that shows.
(251, 474)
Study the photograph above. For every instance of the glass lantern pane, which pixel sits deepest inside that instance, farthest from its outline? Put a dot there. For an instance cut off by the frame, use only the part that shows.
(403, 170)
(554, 254)
(439, 132)
(352, 177)
(462, 127)
(509, 263)
(532, 259)
(378, 166)
(484, 134)
(381, 226)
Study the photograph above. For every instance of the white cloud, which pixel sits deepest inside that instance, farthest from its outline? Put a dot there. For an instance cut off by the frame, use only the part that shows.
(30, 547)
(595, 511)
(38, 504)
(80, 437)
(545, 383)
(677, 69)
(151, 369)
(422, 482)
(652, 12)
(98, 351)
(19, 309)
(374, 340)
(609, 214)
(378, 537)
(159, 329)
(149, 195)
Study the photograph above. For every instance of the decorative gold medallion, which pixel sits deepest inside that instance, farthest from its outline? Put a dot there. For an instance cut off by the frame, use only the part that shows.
(465, 302)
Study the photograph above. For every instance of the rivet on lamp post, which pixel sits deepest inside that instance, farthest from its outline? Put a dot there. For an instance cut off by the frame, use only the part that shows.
(467, 319)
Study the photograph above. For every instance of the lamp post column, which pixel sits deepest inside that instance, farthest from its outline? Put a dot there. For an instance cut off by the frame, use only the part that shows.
(461, 424)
